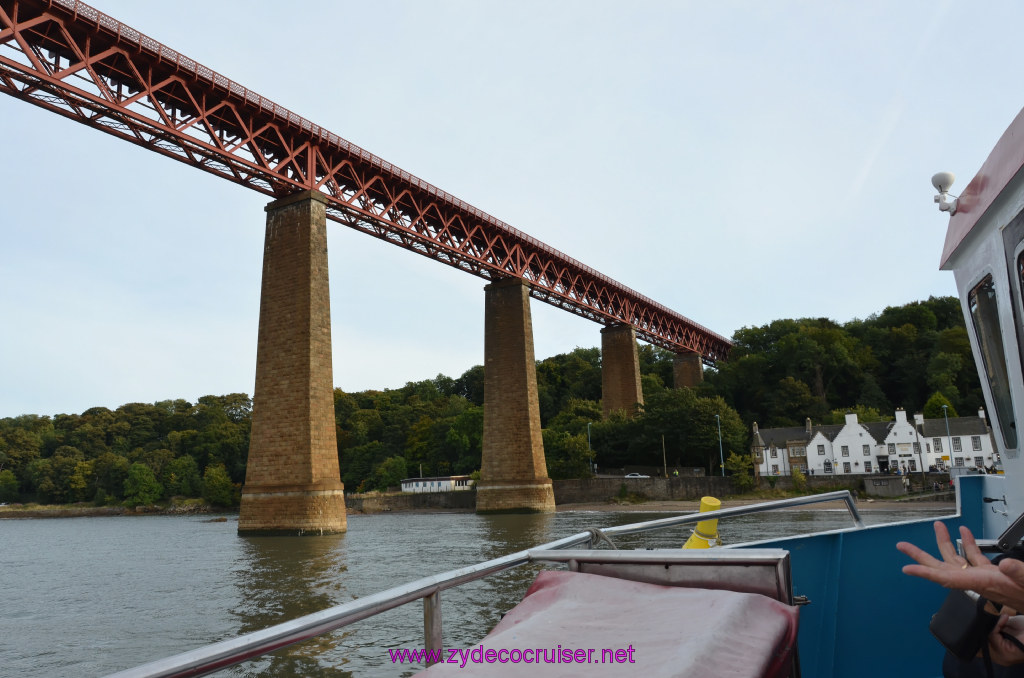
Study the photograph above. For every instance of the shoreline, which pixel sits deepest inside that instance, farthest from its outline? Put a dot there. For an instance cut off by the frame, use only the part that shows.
(691, 506)
(22, 512)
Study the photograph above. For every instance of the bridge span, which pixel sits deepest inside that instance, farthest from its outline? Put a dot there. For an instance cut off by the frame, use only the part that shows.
(73, 60)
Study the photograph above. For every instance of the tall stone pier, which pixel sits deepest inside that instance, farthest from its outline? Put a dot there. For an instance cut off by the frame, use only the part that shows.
(513, 474)
(620, 370)
(292, 481)
(687, 370)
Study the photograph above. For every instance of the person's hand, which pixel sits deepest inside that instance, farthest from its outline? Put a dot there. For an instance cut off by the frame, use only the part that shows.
(1003, 583)
(1003, 650)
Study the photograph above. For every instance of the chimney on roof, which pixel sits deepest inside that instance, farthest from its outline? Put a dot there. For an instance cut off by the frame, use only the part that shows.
(808, 427)
(981, 412)
(755, 428)
(919, 419)
(901, 415)
(851, 418)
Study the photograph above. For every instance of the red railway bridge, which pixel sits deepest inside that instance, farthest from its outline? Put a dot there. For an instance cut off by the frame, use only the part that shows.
(71, 59)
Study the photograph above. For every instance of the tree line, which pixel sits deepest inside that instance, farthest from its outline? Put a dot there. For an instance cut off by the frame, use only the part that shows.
(916, 356)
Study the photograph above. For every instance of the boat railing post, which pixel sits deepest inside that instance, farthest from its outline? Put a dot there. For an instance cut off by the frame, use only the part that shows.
(432, 626)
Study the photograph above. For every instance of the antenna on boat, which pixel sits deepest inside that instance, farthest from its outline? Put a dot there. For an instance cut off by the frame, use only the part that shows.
(942, 183)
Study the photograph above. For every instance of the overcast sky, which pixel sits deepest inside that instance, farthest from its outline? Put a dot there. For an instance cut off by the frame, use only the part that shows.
(738, 162)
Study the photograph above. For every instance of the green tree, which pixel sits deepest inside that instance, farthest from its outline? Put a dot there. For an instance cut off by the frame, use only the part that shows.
(182, 477)
(567, 455)
(141, 488)
(799, 480)
(741, 468)
(217, 486)
(389, 473)
(8, 486)
(933, 408)
(109, 474)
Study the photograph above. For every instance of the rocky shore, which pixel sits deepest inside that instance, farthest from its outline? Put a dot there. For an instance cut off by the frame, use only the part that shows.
(16, 511)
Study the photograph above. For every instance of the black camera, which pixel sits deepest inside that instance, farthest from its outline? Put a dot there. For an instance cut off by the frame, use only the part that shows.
(962, 624)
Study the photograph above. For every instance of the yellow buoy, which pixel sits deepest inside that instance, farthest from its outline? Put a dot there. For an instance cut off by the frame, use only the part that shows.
(705, 535)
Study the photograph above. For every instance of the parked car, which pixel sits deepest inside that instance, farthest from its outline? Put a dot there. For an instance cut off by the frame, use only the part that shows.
(636, 475)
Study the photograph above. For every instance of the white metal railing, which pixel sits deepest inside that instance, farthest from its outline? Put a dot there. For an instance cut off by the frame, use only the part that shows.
(220, 655)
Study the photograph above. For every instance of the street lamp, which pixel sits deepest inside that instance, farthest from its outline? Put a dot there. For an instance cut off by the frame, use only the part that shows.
(949, 440)
(721, 460)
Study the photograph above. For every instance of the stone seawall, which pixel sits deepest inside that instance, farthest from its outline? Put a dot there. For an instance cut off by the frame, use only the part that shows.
(591, 490)
(464, 500)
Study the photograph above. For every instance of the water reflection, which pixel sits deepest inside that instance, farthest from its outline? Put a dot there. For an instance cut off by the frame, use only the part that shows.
(281, 578)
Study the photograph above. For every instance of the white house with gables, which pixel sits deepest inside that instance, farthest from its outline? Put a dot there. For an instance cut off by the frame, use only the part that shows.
(877, 447)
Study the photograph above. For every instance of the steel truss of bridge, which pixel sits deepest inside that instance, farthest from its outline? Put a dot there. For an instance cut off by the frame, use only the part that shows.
(72, 59)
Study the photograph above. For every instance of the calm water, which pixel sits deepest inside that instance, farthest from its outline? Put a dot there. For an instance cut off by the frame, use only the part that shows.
(90, 596)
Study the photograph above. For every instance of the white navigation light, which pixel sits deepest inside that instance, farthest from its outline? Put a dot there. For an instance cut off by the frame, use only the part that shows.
(942, 182)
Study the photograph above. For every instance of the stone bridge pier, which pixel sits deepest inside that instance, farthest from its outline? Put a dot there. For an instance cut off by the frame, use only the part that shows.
(292, 481)
(513, 474)
(620, 371)
(687, 370)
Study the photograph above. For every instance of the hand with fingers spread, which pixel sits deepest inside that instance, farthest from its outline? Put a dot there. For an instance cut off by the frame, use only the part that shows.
(1003, 583)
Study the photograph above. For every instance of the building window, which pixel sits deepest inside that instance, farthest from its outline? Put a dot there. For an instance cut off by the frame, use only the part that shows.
(937, 442)
(958, 461)
(798, 452)
(775, 469)
(846, 450)
(867, 467)
(828, 466)
(912, 464)
(956, 445)
(846, 467)
(892, 448)
(976, 443)
(800, 467)
(979, 462)
(867, 450)
(775, 453)
(821, 450)
(917, 448)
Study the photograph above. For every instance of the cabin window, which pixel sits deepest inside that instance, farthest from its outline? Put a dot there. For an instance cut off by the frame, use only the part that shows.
(846, 450)
(775, 469)
(917, 448)
(846, 467)
(985, 317)
(958, 461)
(821, 450)
(976, 443)
(937, 442)
(867, 467)
(957, 445)
(867, 450)
(828, 466)
(892, 448)
(979, 462)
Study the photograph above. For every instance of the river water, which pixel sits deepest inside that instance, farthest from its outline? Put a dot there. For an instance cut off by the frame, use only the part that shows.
(90, 596)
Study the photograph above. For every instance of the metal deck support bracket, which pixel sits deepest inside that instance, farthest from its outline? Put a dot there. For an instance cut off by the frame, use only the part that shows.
(432, 624)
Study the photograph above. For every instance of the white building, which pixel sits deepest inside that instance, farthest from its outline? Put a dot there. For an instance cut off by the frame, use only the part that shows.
(438, 484)
(878, 447)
